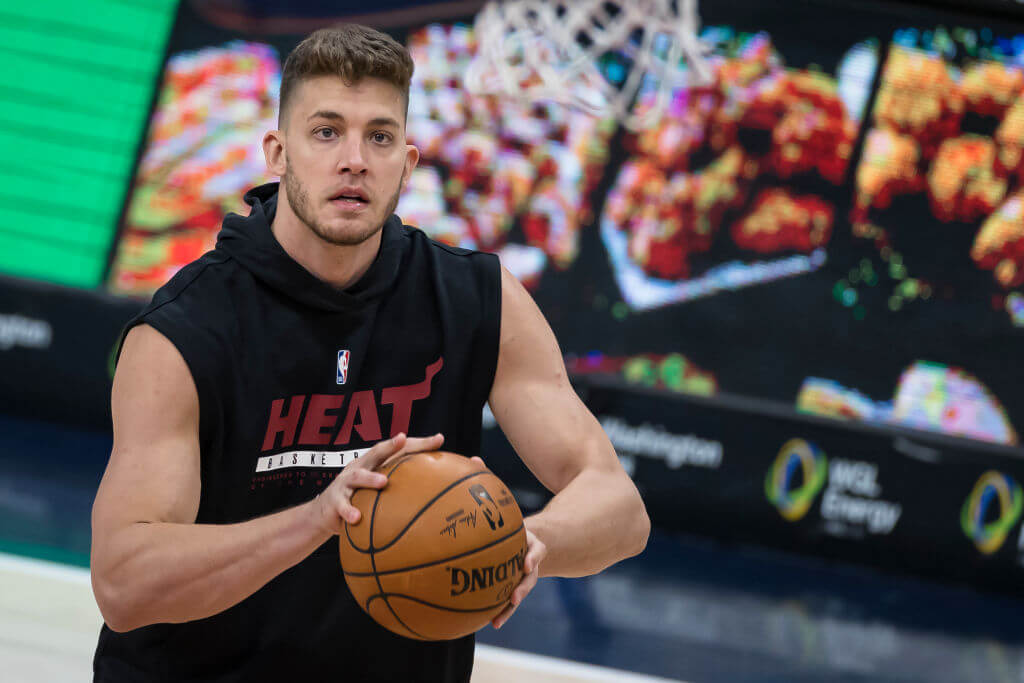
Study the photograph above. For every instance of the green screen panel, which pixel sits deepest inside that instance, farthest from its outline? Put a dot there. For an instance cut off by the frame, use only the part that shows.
(54, 260)
(77, 227)
(74, 97)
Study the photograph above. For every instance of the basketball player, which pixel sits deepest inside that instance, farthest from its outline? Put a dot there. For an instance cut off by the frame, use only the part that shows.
(320, 326)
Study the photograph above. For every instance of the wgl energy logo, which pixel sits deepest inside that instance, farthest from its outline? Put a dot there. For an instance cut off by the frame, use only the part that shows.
(795, 478)
(990, 511)
(851, 504)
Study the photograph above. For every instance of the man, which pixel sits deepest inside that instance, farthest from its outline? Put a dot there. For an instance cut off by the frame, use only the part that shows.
(318, 327)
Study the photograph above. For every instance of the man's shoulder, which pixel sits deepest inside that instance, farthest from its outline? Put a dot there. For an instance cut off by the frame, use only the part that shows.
(443, 249)
(199, 284)
(470, 280)
(191, 306)
(189, 311)
(466, 271)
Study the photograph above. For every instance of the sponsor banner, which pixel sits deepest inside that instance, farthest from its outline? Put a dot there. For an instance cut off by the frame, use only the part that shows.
(17, 330)
(752, 472)
(56, 347)
(655, 441)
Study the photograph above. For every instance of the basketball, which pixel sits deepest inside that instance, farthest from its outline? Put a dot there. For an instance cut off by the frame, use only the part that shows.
(438, 551)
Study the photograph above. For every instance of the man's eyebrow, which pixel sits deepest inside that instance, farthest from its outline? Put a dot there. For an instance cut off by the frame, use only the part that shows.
(326, 114)
(384, 121)
(335, 116)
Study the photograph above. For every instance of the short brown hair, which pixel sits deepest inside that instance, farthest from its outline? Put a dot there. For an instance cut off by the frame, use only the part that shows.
(351, 52)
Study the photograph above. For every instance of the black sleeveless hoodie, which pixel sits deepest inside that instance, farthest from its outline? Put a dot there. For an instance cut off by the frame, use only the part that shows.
(292, 375)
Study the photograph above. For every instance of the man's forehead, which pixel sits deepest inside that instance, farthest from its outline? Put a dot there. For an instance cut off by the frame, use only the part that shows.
(368, 97)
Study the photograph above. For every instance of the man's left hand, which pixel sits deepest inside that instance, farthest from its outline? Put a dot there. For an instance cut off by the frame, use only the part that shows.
(535, 553)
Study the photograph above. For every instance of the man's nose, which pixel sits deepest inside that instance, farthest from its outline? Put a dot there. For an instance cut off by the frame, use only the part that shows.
(352, 159)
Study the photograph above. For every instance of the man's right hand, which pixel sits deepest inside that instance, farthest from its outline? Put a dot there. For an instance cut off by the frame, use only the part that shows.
(333, 507)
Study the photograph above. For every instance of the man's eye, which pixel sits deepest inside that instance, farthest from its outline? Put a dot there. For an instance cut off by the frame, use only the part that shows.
(325, 133)
(381, 138)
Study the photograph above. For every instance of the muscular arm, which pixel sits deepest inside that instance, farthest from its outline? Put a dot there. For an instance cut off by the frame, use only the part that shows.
(596, 517)
(151, 563)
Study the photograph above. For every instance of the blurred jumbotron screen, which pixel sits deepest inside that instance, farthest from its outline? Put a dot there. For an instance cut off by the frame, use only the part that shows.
(846, 196)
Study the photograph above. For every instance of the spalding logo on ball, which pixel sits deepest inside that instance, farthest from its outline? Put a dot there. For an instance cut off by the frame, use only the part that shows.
(438, 551)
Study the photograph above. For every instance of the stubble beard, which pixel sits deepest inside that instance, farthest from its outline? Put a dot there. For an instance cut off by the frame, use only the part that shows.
(301, 205)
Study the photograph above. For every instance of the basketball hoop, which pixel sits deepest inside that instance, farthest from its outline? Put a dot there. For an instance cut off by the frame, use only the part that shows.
(613, 58)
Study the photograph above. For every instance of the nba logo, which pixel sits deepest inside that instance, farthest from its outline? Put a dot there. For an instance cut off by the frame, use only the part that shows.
(342, 366)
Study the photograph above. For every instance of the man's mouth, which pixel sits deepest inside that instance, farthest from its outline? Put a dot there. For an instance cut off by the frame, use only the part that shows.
(350, 197)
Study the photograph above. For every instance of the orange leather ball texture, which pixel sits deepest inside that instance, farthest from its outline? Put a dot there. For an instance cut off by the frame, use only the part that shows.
(438, 551)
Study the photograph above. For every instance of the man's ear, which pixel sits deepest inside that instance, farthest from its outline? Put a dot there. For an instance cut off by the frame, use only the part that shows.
(274, 152)
(412, 157)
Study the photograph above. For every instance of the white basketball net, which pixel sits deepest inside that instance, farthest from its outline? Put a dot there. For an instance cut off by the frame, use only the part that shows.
(553, 50)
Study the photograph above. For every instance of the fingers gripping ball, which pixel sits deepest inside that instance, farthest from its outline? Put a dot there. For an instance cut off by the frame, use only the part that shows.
(438, 551)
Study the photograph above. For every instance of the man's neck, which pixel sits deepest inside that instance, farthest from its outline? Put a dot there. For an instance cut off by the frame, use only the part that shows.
(340, 266)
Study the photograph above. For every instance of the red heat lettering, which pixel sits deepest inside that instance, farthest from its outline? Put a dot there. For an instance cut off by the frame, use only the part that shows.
(401, 398)
(317, 420)
(364, 405)
(283, 424)
(321, 415)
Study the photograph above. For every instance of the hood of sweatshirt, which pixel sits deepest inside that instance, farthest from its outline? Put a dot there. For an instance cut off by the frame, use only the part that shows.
(250, 242)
